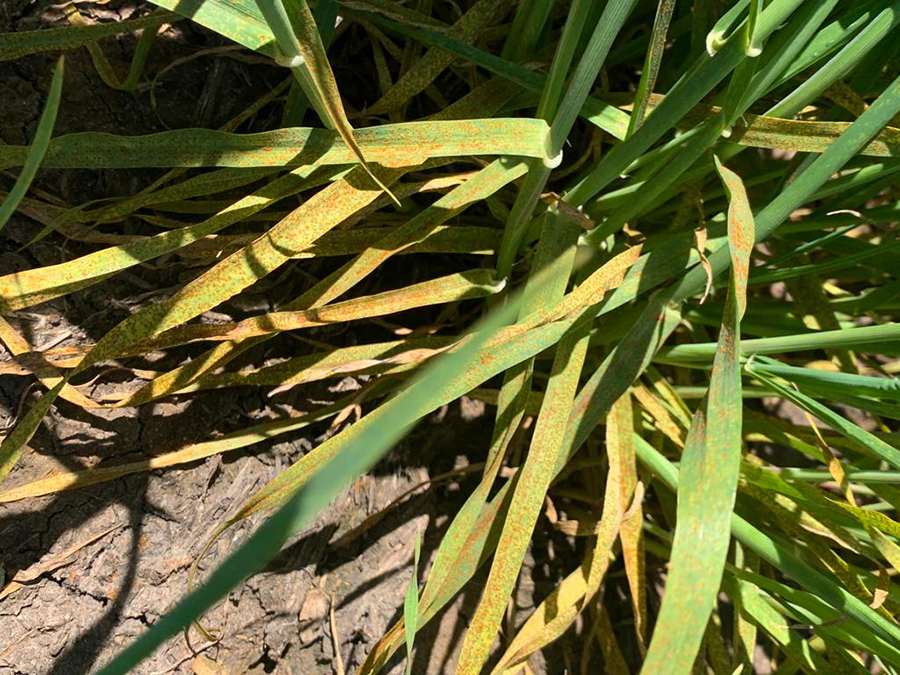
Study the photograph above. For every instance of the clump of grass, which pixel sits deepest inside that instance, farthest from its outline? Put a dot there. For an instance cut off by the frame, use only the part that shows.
(663, 166)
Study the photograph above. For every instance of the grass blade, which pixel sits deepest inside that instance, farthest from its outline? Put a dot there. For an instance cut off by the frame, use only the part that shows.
(14, 45)
(301, 48)
(380, 434)
(862, 439)
(775, 553)
(35, 152)
(710, 467)
(856, 137)
(411, 606)
(426, 69)
(527, 501)
(73, 480)
(651, 63)
(390, 144)
(859, 336)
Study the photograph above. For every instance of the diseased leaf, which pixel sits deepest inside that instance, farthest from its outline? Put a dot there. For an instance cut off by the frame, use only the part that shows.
(709, 471)
(561, 168)
(404, 144)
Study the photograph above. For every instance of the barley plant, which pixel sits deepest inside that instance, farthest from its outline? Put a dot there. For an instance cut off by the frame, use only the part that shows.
(677, 220)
